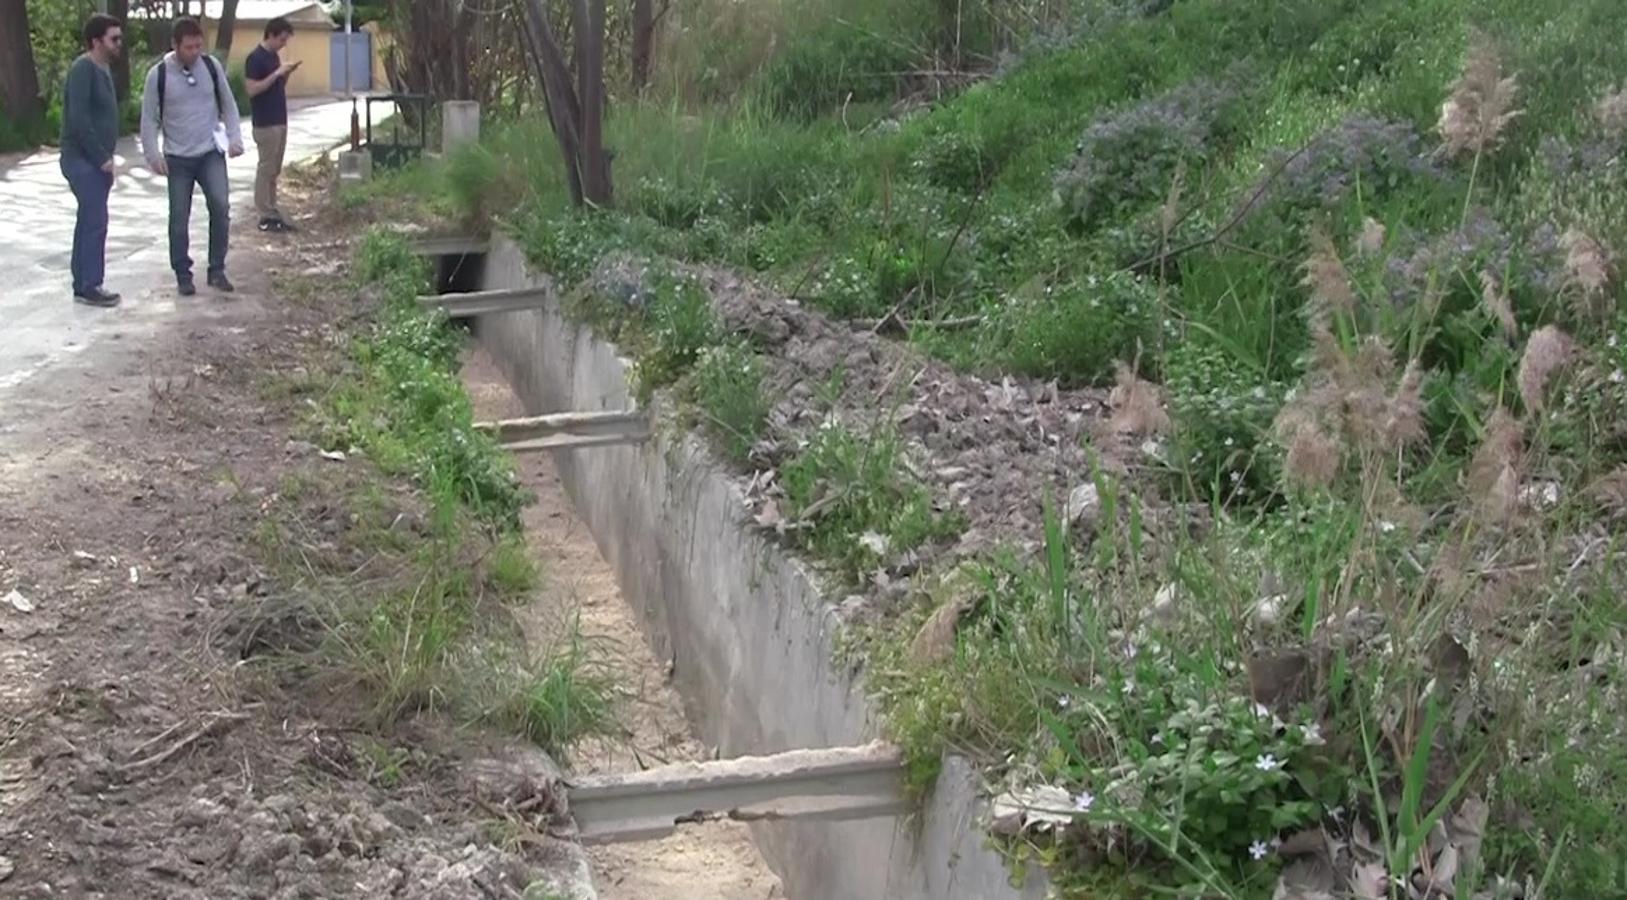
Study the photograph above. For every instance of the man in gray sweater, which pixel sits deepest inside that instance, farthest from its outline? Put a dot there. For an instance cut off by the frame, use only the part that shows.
(189, 102)
(90, 133)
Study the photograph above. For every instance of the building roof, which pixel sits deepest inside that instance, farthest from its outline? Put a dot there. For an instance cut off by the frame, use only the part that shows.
(265, 10)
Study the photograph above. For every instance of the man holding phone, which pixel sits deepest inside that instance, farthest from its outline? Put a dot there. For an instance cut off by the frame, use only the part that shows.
(267, 78)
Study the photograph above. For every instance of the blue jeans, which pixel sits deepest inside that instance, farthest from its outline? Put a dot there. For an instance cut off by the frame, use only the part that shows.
(90, 187)
(208, 172)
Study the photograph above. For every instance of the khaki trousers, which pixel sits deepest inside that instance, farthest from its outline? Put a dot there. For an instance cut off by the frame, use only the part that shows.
(270, 142)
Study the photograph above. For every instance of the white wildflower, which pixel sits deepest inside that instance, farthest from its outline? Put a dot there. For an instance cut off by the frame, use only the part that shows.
(1267, 763)
(1259, 850)
(1084, 801)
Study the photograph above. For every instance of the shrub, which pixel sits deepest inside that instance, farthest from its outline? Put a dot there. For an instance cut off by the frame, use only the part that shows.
(473, 174)
(407, 407)
(566, 695)
(834, 64)
(677, 326)
(238, 82)
(860, 504)
(1130, 157)
(1364, 151)
(728, 388)
(955, 160)
(674, 205)
(844, 287)
(1076, 332)
(1223, 410)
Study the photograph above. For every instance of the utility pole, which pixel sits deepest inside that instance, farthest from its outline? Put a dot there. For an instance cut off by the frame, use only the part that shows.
(355, 120)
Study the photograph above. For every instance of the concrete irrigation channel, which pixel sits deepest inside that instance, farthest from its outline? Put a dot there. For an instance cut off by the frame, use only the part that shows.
(750, 636)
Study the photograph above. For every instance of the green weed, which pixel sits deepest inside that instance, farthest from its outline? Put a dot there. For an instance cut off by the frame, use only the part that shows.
(727, 386)
(854, 503)
(509, 569)
(564, 696)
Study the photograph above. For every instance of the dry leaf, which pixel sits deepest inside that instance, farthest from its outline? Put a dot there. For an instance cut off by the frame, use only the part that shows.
(1305, 879)
(1587, 263)
(1084, 504)
(1442, 876)
(1371, 240)
(1548, 350)
(1368, 881)
(875, 542)
(1137, 405)
(1468, 829)
(1041, 808)
(1494, 300)
(1481, 104)
(936, 639)
(19, 602)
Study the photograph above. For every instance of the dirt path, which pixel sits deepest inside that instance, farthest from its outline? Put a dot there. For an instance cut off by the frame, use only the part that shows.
(713, 862)
(137, 757)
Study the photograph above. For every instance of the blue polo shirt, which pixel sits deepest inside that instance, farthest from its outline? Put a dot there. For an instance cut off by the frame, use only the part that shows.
(270, 107)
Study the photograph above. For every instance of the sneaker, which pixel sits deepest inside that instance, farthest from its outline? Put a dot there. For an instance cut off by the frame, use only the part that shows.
(268, 224)
(285, 226)
(277, 226)
(96, 297)
(219, 282)
(185, 287)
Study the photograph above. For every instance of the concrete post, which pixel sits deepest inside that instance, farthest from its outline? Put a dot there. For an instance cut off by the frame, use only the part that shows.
(355, 166)
(460, 124)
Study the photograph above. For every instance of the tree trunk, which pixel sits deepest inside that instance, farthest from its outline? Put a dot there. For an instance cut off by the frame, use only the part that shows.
(643, 43)
(19, 81)
(564, 112)
(224, 29)
(120, 9)
(595, 163)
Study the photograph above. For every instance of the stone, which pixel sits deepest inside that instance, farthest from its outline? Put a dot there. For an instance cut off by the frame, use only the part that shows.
(355, 166)
(460, 124)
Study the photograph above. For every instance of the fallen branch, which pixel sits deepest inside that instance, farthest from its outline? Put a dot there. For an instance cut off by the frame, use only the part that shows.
(208, 729)
(954, 323)
(1237, 218)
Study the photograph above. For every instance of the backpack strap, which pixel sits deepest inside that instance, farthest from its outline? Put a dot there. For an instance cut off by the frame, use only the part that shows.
(214, 81)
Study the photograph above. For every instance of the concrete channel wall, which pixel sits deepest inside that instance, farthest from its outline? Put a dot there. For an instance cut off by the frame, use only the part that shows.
(749, 634)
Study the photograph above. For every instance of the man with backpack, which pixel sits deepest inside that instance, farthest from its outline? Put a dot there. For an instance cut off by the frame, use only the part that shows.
(189, 103)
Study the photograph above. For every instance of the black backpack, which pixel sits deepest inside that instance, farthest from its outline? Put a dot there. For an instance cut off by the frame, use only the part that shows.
(214, 79)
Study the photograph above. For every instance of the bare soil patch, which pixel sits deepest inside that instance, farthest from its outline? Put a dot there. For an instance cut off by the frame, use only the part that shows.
(137, 757)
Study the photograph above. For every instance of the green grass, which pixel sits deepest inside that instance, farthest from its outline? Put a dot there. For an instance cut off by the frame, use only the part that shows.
(1089, 214)
(853, 503)
(424, 622)
(406, 406)
(509, 569)
(565, 696)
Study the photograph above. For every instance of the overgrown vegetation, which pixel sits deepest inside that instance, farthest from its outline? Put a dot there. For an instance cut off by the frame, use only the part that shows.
(1339, 613)
(423, 623)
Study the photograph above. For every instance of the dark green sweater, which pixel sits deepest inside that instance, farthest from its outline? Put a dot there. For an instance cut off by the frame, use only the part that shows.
(90, 112)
